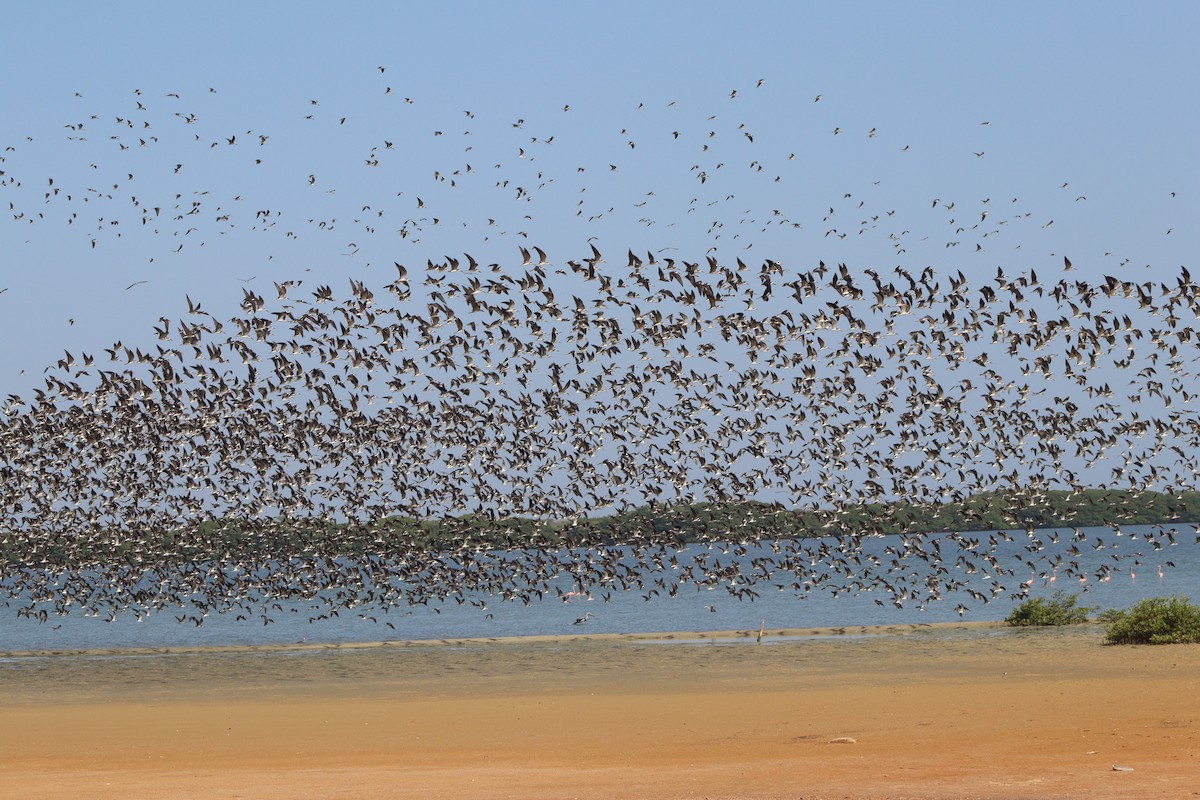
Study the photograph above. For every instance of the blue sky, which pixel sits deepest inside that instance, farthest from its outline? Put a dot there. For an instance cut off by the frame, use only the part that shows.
(1099, 96)
(1088, 149)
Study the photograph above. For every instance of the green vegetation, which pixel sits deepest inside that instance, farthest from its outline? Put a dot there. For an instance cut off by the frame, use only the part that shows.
(1055, 509)
(1059, 609)
(986, 511)
(281, 538)
(1156, 620)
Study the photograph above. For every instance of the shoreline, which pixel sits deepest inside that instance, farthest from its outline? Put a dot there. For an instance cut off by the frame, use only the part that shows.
(769, 634)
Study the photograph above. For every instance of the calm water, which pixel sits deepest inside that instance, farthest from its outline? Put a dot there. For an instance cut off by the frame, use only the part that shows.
(627, 612)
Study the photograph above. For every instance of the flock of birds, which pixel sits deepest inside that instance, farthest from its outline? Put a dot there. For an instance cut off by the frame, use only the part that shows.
(557, 386)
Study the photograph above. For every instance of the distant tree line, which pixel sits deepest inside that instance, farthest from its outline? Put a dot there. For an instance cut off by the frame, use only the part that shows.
(282, 539)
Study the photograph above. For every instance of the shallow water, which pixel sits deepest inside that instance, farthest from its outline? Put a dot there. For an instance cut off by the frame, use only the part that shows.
(550, 664)
(692, 609)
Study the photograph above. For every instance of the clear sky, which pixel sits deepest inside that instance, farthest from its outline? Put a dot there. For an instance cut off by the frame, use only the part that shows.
(1100, 97)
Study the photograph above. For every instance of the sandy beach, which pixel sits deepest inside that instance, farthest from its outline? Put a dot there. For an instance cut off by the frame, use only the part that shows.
(921, 712)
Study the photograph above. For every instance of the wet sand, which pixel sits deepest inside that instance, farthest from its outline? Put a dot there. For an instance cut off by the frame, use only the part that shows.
(923, 712)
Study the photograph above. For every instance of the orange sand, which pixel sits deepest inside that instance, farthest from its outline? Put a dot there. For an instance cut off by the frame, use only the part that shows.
(931, 714)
